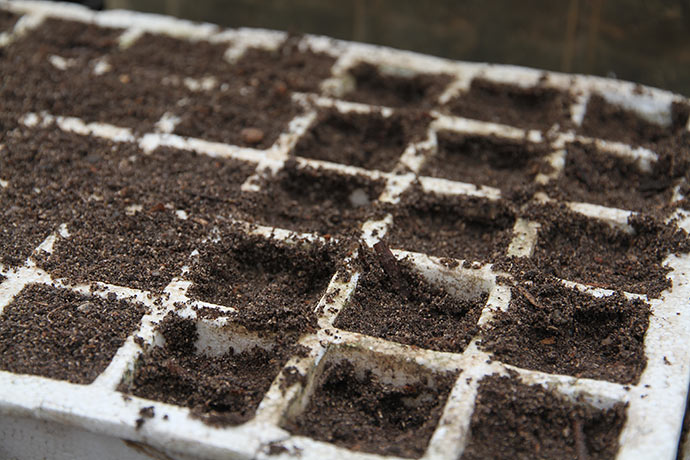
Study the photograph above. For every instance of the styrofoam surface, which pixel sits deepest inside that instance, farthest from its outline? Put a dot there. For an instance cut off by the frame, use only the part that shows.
(72, 420)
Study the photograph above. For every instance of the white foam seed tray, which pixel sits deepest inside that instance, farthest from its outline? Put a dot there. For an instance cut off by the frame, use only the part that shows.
(45, 418)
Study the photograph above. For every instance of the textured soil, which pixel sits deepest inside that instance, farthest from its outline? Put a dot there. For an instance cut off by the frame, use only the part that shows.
(31, 83)
(376, 88)
(608, 121)
(305, 199)
(538, 107)
(555, 329)
(63, 335)
(512, 420)
(160, 56)
(450, 226)
(363, 413)
(144, 250)
(220, 390)
(416, 313)
(225, 115)
(297, 69)
(369, 141)
(596, 177)
(502, 163)
(274, 286)
(590, 251)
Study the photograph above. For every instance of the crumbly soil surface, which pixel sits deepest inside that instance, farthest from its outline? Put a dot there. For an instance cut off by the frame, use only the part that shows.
(608, 121)
(600, 178)
(144, 250)
(220, 390)
(538, 107)
(450, 226)
(63, 335)
(371, 86)
(297, 69)
(502, 163)
(305, 199)
(581, 249)
(558, 330)
(163, 56)
(361, 412)
(228, 114)
(404, 307)
(369, 141)
(31, 83)
(274, 286)
(512, 420)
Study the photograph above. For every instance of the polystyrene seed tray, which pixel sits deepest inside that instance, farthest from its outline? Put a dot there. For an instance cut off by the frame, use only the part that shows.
(92, 411)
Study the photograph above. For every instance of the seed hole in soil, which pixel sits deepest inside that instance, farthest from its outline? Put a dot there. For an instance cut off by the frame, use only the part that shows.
(569, 332)
(609, 121)
(537, 107)
(596, 177)
(143, 250)
(306, 199)
(574, 247)
(223, 389)
(366, 140)
(502, 163)
(358, 409)
(450, 226)
(377, 88)
(60, 334)
(298, 69)
(274, 286)
(405, 307)
(512, 420)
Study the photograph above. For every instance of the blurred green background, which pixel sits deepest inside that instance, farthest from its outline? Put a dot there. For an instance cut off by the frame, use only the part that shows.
(641, 41)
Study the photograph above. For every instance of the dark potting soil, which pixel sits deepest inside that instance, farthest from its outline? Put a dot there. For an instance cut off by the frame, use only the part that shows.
(298, 69)
(165, 56)
(7, 20)
(512, 420)
(49, 174)
(364, 413)
(600, 178)
(248, 114)
(404, 307)
(538, 107)
(450, 226)
(369, 141)
(554, 329)
(274, 286)
(31, 83)
(581, 249)
(220, 390)
(609, 121)
(306, 199)
(503, 163)
(200, 185)
(374, 87)
(64, 335)
(143, 250)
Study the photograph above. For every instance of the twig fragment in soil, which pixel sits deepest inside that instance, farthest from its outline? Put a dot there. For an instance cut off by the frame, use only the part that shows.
(530, 298)
(390, 266)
